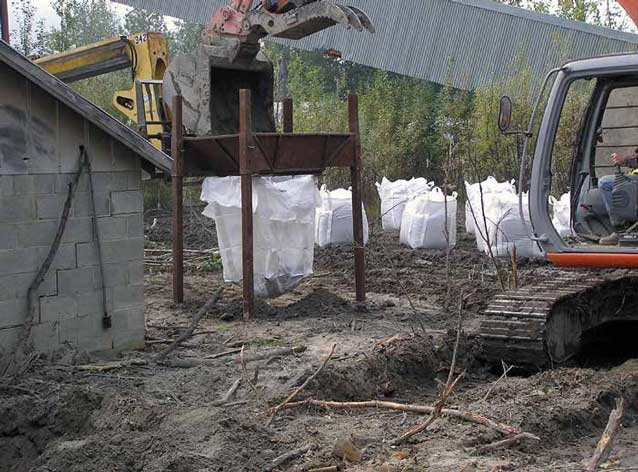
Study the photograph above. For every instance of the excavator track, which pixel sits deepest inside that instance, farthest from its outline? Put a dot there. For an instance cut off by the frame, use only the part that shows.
(544, 323)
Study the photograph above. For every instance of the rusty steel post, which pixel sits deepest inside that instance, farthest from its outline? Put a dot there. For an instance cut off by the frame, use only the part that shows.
(177, 184)
(357, 202)
(4, 16)
(245, 143)
(288, 120)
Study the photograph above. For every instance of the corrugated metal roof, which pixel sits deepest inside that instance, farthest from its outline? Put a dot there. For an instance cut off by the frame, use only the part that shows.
(463, 43)
(65, 94)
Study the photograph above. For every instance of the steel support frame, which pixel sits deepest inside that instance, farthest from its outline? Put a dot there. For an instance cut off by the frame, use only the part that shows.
(177, 184)
(246, 172)
(4, 25)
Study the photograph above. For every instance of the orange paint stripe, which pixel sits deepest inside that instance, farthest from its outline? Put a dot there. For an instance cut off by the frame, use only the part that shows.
(597, 260)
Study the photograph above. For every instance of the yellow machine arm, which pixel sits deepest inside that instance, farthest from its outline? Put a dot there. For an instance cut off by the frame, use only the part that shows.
(146, 54)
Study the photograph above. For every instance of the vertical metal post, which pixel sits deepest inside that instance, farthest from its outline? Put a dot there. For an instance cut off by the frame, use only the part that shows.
(357, 213)
(288, 123)
(4, 16)
(177, 183)
(245, 171)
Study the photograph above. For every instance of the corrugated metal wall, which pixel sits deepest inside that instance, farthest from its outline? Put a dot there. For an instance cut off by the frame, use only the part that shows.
(463, 43)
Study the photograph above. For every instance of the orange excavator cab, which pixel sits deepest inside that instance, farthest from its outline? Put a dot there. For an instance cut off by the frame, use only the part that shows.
(631, 7)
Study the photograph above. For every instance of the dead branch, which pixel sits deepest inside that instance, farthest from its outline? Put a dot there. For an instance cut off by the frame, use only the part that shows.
(276, 409)
(191, 329)
(111, 365)
(197, 361)
(606, 441)
(514, 281)
(469, 416)
(231, 391)
(223, 354)
(446, 391)
(244, 373)
(332, 468)
(506, 370)
(277, 461)
(507, 442)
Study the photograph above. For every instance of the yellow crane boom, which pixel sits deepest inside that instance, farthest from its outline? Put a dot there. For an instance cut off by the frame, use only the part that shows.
(146, 54)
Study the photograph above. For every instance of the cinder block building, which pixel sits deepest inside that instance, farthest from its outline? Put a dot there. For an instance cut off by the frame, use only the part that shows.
(43, 124)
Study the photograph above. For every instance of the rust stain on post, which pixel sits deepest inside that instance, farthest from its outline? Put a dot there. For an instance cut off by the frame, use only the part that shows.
(4, 13)
(177, 183)
(288, 120)
(355, 176)
(245, 143)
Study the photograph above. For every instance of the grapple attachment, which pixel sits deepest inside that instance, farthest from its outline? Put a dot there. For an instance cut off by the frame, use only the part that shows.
(308, 19)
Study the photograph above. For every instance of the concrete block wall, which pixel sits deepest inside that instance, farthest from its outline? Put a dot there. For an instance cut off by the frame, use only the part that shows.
(39, 152)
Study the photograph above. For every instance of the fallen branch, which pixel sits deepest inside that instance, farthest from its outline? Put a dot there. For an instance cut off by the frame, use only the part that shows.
(189, 332)
(197, 361)
(472, 417)
(606, 441)
(231, 391)
(223, 354)
(275, 410)
(508, 442)
(332, 468)
(110, 365)
(446, 390)
(277, 461)
(244, 373)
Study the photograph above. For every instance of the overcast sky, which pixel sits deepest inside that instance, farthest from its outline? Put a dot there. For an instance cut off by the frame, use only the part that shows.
(45, 11)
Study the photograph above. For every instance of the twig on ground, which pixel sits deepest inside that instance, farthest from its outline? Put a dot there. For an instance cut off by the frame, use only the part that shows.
(189, 332)
(231, 391)
(332, 468)
(469, 416)
(274, 410)
(447, 389)
(222, 354)
(508, 442)
(197, 361)
(506, 370)
(277, 461)
(606, 441)
(244, 373)
(111, 365)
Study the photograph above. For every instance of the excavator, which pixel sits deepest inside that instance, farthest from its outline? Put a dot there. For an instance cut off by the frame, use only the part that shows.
(568, 313)
(228, 59)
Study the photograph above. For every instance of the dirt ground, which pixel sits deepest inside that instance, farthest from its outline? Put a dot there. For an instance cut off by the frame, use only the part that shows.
(397, 347)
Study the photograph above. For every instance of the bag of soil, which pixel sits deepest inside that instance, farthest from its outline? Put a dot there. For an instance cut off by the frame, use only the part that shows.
(334, 223)
(424, 221)
(283, 229)
(394, 196)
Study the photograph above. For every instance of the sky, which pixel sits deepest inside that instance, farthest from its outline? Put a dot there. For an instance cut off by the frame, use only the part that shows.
(45, 11)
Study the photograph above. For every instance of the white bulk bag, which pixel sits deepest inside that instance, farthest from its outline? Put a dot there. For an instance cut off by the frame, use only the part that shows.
(283, 229)
(424, 218)
(474, 213)
(507, 230)
(334, 222)
(562, 215)
(394, 196)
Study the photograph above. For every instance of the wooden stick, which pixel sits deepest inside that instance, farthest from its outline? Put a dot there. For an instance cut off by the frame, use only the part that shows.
(111, 365)
(244, 373)
(277, 461)
(446, 391)
(606, 441)
(303, 385)
(507, 442)
(189, 332)
(194, 362)
(332, 468)
(422, 409)
(231, 391)
(222, 354)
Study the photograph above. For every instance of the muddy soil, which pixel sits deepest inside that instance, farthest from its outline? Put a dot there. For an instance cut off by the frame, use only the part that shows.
(142, 416)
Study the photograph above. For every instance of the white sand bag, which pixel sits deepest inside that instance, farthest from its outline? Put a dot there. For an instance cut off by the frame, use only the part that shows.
(283, 229)
(507, 230)
(424, 221)
(561, 218)
(334, 221)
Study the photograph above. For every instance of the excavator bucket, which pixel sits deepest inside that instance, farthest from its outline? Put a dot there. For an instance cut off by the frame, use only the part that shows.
(209, 79)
